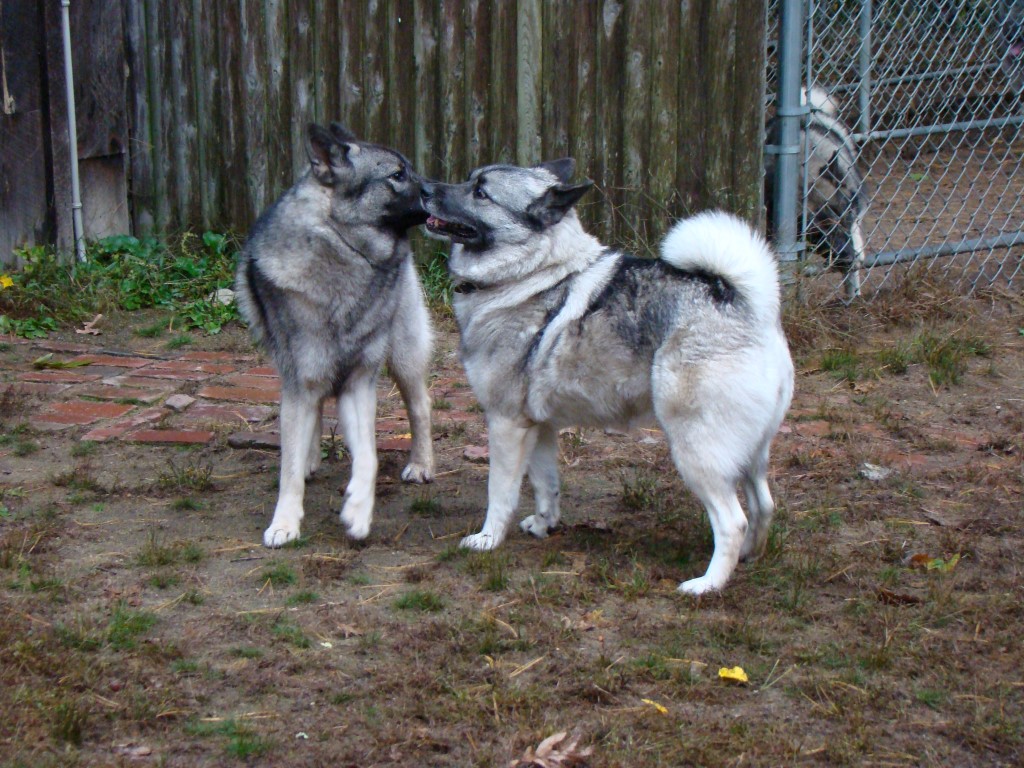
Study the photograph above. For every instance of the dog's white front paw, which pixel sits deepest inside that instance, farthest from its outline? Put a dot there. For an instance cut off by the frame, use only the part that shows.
(535, 525)
(279, 534)
(417, 473)
(699, 586)
(480, 542)
(356, 516)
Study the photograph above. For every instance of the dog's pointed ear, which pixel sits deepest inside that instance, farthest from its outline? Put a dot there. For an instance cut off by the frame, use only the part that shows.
(562, 169)
(551, 207)
(326, 156)
(341, 133)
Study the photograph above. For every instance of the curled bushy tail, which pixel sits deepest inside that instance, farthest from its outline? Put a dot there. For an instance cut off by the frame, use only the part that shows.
(721, 244)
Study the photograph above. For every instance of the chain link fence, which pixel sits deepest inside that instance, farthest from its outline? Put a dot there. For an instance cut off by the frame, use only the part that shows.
(911, 143)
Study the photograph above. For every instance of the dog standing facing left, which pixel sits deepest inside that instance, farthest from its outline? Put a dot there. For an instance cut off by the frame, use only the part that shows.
(327, 285)
(558, 330)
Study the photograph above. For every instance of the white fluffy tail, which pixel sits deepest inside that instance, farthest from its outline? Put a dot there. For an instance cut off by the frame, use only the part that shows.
(721, 244)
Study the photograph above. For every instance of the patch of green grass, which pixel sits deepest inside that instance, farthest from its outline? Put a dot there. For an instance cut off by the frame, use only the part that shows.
(23, 447)
(947, 356)
(78, 635)
(304, 597)
(83, 448)
(931, 698)
(247, 652)
(451, 553)
(151, 331)
(419, 600)
(184, 666)
(287, 630)
(437, 284)
(426, 505)
(279, 575)
(641, 492)
(68, 722)
(155, 553)
(194, 476)
(895, 360)
(185, 504)
(440, 404)
(164, 580)
(126, 625)
(843, 363)
(179, 341)
(243, 741)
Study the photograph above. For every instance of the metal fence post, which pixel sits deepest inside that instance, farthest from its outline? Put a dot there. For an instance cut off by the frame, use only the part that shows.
(789, 113)
(864, 65)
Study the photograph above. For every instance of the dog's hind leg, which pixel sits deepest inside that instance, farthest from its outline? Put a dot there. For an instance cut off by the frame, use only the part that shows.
(408, 363)
(760, 507)
(298, 420)
(544, 477)
(357, 412)
(313, 458)
(510, 445)
(729, 526)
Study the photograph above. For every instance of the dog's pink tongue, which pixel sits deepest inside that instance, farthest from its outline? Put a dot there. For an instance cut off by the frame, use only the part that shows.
(433, 221)
(1017, 49)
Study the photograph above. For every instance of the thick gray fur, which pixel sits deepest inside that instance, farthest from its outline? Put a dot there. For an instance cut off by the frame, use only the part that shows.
(836, 199)
(327, 285)
(558, 330)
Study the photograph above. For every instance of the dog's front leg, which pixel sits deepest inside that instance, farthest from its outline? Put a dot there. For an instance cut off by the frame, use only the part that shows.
(357, 412)
(544, 477)
(298, 420)
(510, 444)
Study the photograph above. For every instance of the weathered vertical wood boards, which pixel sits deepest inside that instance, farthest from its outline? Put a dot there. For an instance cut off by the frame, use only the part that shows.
(659, 102)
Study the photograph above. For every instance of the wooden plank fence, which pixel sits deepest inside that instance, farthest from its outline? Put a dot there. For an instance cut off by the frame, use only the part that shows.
(659, 102)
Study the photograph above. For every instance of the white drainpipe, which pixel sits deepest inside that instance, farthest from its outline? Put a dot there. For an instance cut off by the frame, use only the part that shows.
(69, 80)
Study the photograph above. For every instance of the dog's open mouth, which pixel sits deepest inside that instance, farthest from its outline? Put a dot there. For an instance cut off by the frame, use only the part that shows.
(452, 229)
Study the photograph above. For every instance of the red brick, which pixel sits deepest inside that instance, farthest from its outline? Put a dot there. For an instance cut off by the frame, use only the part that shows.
(210, 357)
(118, 428)
(107, 392)
(265, 370)
(813, 428)
(226, 414)
(476, 453)
(255, 382)
(239, 394)
(457, 416)
(394, 444)
(115, 361)
(61, 346)
(169, 436)
(263, 440)
(82, 412)
(151, 373)
(156, 385)
(64, 377)
(37, 388)
(189, 365)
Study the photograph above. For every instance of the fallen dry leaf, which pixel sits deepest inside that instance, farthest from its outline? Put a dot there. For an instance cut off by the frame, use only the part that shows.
(550, 755)
(90, 327)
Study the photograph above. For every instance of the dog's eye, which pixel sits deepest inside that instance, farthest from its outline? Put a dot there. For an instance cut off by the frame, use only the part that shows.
(479, 194)
(399, 175)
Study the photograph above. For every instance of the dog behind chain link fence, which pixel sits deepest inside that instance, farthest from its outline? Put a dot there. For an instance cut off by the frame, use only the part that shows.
(835, 201)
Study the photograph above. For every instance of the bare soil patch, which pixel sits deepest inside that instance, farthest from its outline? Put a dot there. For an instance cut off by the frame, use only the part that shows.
(144, 624)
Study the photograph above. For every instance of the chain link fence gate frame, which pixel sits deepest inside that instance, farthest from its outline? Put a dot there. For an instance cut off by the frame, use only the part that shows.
(931, 97)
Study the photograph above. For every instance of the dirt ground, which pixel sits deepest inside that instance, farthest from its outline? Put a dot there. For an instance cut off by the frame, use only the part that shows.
(144, 624)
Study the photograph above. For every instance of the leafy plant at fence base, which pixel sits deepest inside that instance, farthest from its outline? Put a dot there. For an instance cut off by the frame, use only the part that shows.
(122, 272)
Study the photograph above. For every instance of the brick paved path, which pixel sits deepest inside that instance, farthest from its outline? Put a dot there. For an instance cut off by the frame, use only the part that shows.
(183, 398)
